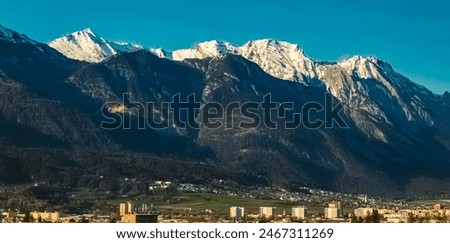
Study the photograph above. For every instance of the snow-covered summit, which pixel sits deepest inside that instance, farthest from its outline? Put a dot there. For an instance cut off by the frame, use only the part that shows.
(161, 53)
(364, 67)
(278, 58)
(365, 83)
(281, 59)
(85, 45)
(286, 61)
(206, 49)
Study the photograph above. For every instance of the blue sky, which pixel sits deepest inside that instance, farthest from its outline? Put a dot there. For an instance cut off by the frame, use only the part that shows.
(414, 36)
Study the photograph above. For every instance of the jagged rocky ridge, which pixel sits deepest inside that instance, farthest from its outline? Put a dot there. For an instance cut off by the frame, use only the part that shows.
(399, 131)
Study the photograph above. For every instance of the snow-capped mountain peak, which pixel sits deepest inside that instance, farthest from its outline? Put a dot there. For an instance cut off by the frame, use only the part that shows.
(86, 45)
(161, 53)
(279, 58)
(206, 49)
(365, 83)
(361, 66)
(88, 31)
(273, 45)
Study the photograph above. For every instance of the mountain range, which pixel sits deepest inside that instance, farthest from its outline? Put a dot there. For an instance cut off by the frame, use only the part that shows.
(397, 142)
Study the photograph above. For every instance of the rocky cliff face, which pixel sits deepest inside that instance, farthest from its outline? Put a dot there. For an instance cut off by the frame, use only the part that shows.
(397, 130)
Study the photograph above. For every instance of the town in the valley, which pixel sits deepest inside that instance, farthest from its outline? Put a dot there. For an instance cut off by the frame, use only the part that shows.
(188, 203)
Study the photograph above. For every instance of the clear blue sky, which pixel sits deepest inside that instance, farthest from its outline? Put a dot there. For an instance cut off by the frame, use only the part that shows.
(413, 36)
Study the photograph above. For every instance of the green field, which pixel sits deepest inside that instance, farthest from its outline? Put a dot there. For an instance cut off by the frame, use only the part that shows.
(193, 202)
(198, 202)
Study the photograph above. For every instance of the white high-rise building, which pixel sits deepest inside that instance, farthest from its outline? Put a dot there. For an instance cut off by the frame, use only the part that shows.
(126, 208)
(298, 212)
(266, 212)
(236, 213)
(331, 213)
(334, 210)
